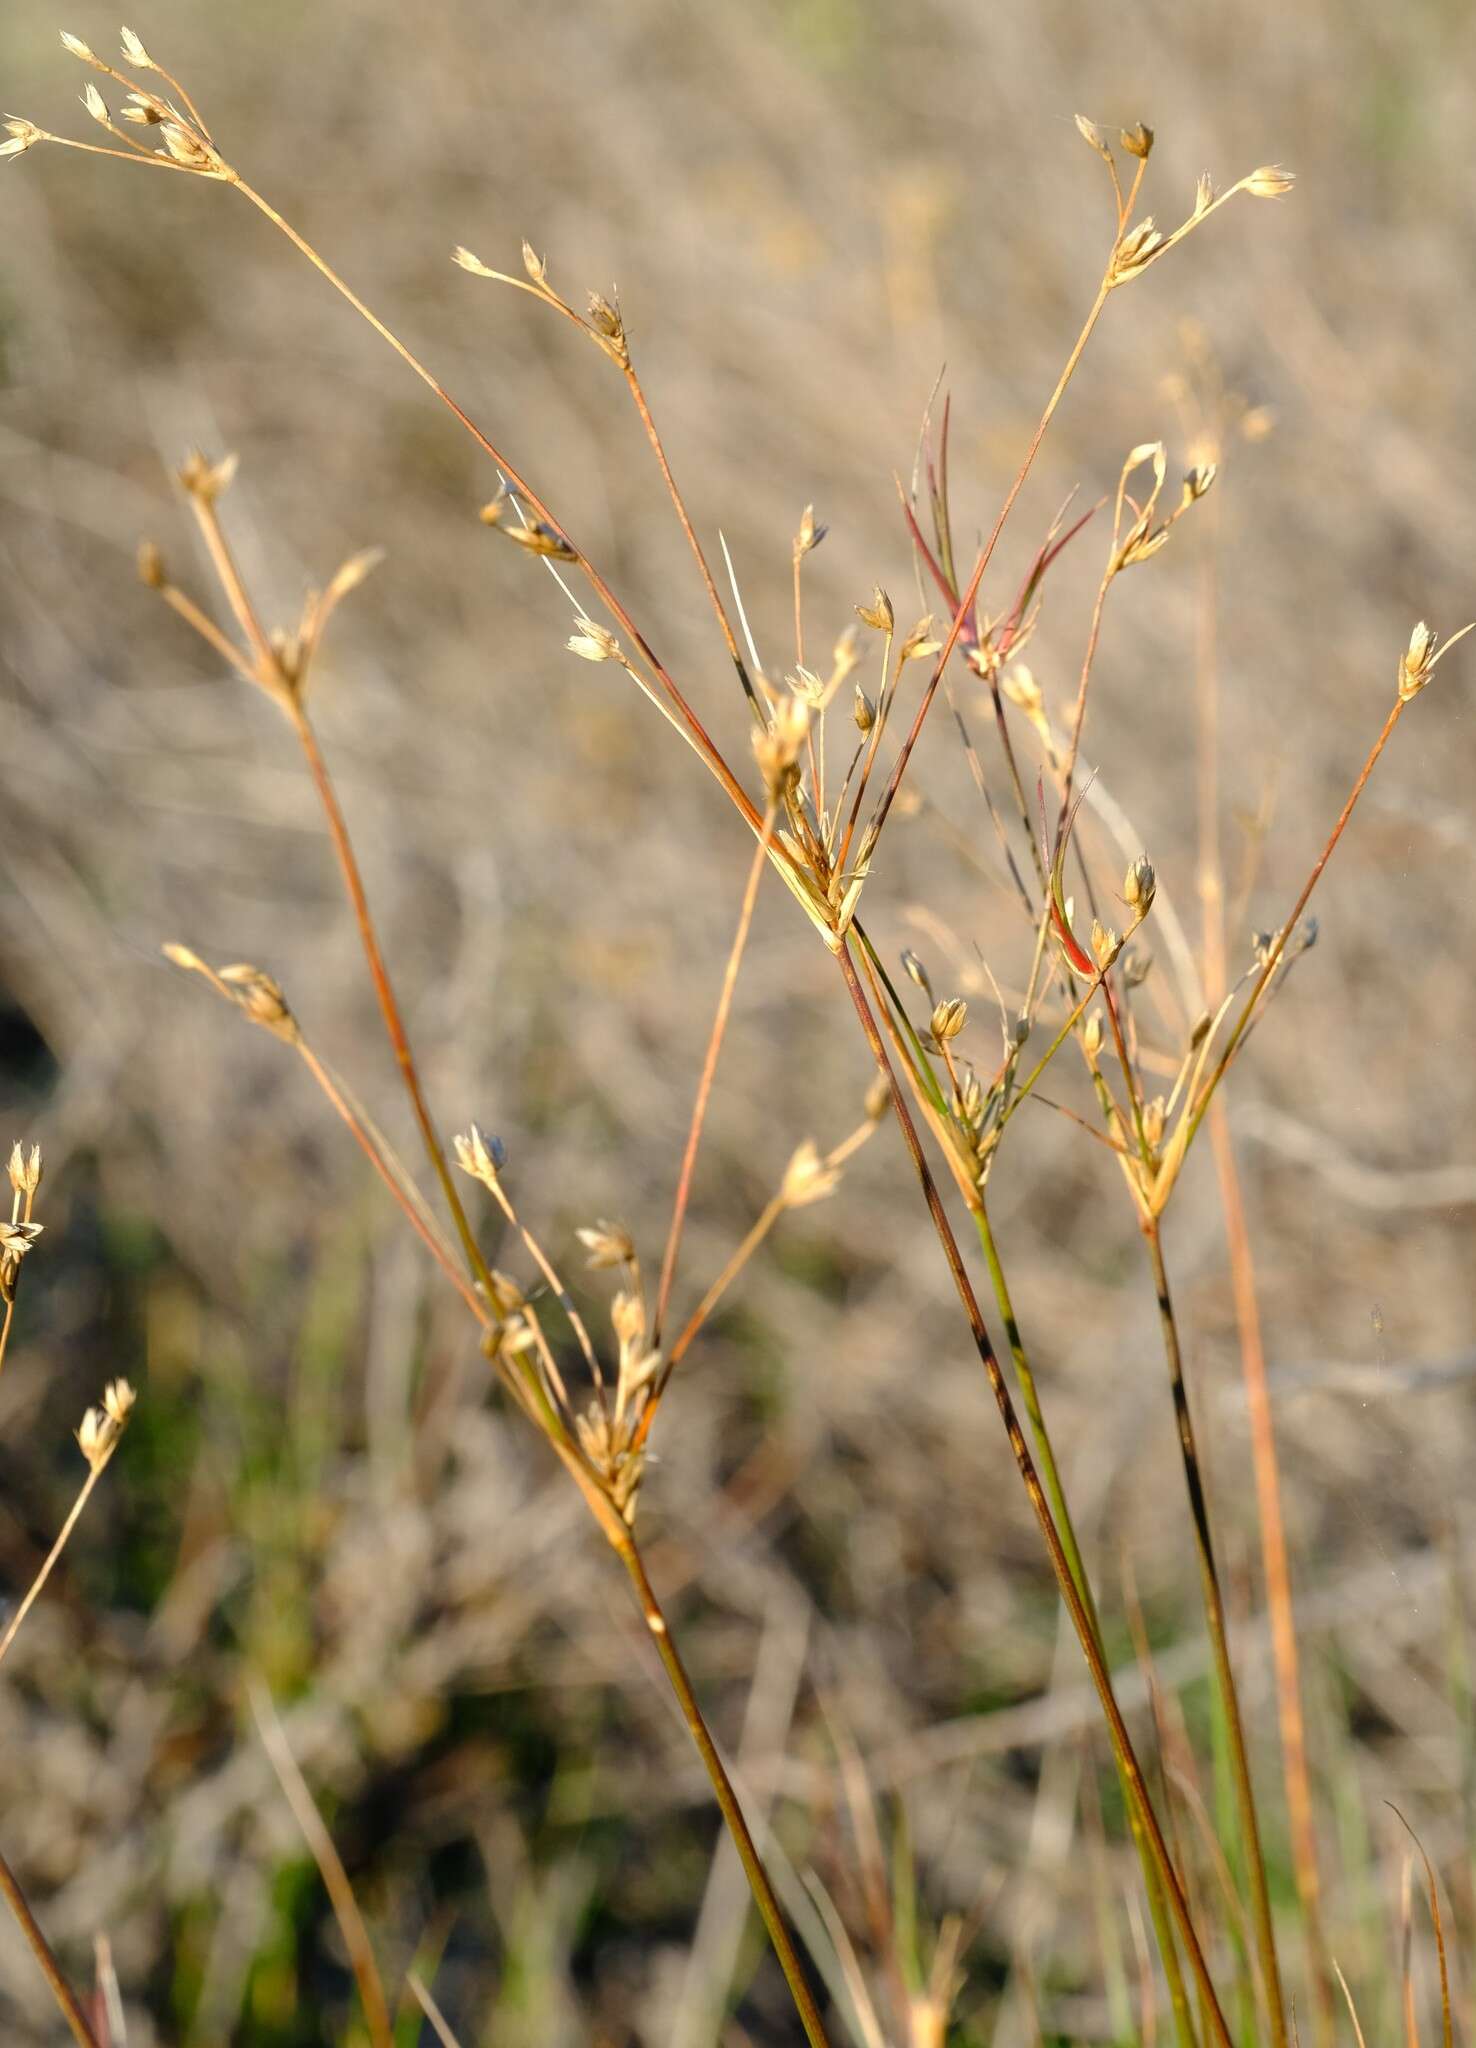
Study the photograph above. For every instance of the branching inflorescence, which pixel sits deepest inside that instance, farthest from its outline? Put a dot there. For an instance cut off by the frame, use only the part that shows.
(819, 811)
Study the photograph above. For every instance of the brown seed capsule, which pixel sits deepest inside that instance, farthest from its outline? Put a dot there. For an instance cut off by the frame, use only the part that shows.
(915, 971)
(608, 1244)
(1269, 181)
(949, 1018)
(1137, 141)
(151, 566)
(1136, 250)
(1139, 884)
(878, 614)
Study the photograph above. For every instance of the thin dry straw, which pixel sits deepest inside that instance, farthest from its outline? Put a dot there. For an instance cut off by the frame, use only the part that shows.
(330, 1867)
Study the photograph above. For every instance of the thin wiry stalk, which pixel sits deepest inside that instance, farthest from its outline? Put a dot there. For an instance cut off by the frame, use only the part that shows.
(610, 1522)
(1438, 1923)
(39, 1582)
(270, 677)
(1214, 1609)
(1050, 1472)
(757, 1231)
(41, 1948)
(428, 1237)
(531, 1398)
(727, 1798)
(389, 1008)
(1264, 1463)
(330, 1869)
(1278, 944)
(432, 2011)
(709, 1070)
(1121, 1740)
(689, 719)
(965, 607)
(1279, 1604)
(720, 612)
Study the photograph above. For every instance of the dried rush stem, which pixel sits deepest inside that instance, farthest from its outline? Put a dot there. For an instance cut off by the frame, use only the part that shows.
(41, 1948)
(709, 1070)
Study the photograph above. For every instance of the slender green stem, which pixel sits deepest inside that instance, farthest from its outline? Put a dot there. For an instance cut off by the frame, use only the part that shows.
(758, 1878)
(1080, 1619)
(1214, 1608)
(1050, 1473)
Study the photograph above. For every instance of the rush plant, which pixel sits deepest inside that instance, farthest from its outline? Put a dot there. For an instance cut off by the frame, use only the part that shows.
(829, 752)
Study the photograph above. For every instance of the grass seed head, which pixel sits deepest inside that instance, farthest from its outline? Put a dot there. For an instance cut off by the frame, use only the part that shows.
(810, 535)
(1154, 1116)
(915, 971)
(920, 643)
(1093, 137)
(1417, 661)
(878, 1099)
(532, 534)
(1137, 141)
(1136, 250)
(808, 1177)
(22, 135)
(593, 642)
(608, 1244)
(949, 1018)
(1269, 181)
(1106, 944)
(97, 1438)
(75, 47)
(25, 1169)
(480, 1156)
(1420, 658)
(878, 614)
(1139, 884)
(608, 327)
(204, 480)
(16, 1240)
(777, 747)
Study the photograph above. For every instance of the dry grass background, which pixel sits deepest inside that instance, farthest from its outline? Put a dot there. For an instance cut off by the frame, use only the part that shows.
(808, 208)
